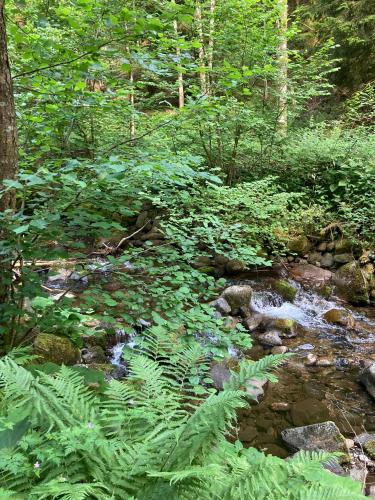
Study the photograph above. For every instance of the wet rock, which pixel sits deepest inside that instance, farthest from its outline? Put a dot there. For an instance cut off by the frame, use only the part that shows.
(305, 347)
(251, 323)
(335, 467)
(345, 246)
(247, 434)
(314, 258)
(56, 349)
(300, 245)
(280, 407)
(339, 317)
(142, 219)
(330, 246)
(94, 354)
(270, 338)
(327, 260)
(113, 286)
(323, 436)
(311, 275)
(364, 438)
(309, 411)
(358, 473)
(202, 261)
(351, 285)
(343, 258)
(286, 327)
(220, 374)
(324, 362)
(367, 442)
(221, 305)
(287, 291)
(281, 349)
(367, 377)
(235, 266)
(238, 297)
(255, 388)
(311, 360)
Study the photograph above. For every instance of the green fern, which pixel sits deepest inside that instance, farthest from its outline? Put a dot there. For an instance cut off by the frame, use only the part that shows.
(152, 436)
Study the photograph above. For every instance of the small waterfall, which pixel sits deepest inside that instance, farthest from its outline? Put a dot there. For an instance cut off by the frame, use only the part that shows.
(308, 308)
(116, 351)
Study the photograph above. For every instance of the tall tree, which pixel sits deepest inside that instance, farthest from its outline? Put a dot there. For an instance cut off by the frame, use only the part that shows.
(282, 121)
(202, 59)
(180, 78)
(8, 131)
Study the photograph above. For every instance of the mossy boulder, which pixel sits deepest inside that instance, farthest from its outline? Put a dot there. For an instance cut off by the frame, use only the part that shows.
(56, 349)
(287, 291)
(300, 245)
(285, 327)
(351, 284)
(339, 317)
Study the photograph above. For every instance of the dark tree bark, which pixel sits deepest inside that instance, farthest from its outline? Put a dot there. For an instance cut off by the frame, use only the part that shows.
(8, 131)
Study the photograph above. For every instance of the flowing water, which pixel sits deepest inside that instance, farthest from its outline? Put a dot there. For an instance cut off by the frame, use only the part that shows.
(310, 394)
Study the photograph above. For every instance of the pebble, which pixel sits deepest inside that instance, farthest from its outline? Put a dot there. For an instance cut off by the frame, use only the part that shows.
(280, 349)
(311, 360)
(280, 406)
(305, 347)
(349, 443)
(324, 362)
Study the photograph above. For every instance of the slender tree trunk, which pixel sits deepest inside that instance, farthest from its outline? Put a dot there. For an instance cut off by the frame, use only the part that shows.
(201, 55)
(8, 155)
(211, 41)
(8, 131)
(180, 78)
(282, 122)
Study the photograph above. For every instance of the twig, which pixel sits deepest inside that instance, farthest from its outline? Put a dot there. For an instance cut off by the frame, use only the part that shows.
(130, 236)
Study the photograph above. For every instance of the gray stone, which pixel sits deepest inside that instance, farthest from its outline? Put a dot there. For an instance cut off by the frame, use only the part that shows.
(255, 388)
(221, 306)
(271, 338)
(364, 438)
(220, 374)
(327, 260)
(323, 436)
(324, 362)
(238, 297)
(314, 258)
(367, 377)
(251, 323)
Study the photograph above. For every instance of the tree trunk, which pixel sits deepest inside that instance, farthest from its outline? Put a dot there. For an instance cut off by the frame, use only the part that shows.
(211, 39)
(180, 79)
(8, 131)
(202, 62)
(282, 121)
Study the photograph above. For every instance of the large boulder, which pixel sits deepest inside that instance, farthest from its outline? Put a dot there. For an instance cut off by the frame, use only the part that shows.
(56, 349)
(324, 436)
(238, 297)
(271, 338)
(351, 284)
(311, 275)
(221, 306)
(287, 327)
(367, 378)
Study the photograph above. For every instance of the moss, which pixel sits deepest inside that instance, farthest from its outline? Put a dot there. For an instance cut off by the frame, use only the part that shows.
(285, 325)
(325, 291)
(351, 284)
(210, 270)
(369, 448)
(285, 289)
(299, 245)
(56, 349)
